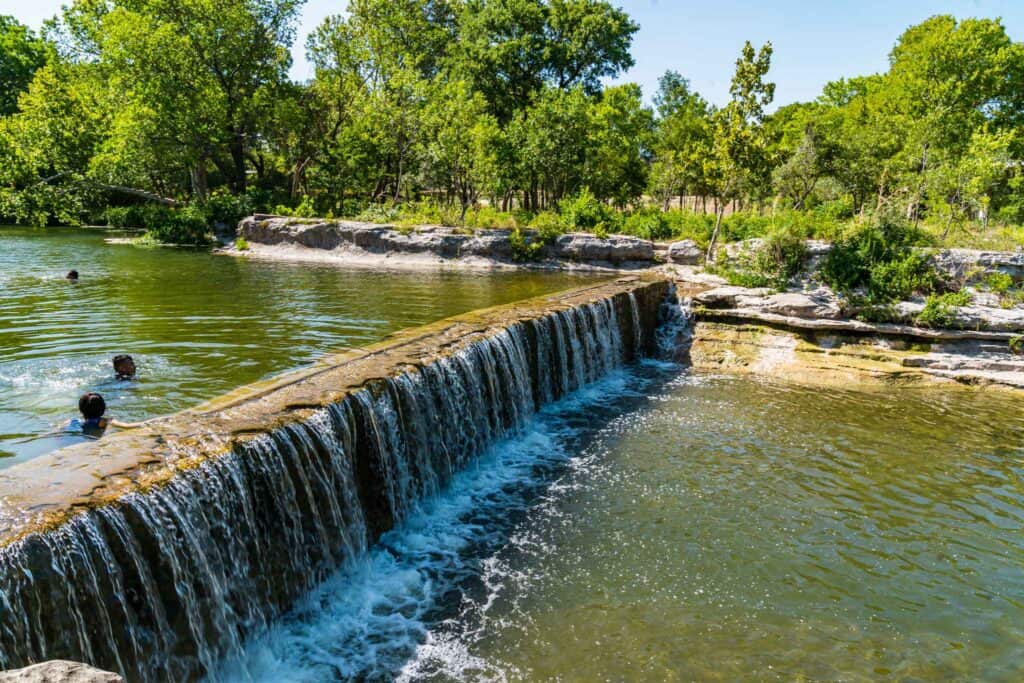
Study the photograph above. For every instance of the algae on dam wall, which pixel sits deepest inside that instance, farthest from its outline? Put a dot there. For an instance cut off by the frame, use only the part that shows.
(154, 553)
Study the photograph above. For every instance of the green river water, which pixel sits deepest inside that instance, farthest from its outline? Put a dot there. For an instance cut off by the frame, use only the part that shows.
(197, 324)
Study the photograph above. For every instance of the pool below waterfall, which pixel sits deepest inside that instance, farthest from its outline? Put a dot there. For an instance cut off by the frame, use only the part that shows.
(197, 324)
(660, 525)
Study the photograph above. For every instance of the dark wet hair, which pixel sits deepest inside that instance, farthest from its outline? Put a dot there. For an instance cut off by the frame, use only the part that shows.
(122, 358)
(92, 405)
(72, 275)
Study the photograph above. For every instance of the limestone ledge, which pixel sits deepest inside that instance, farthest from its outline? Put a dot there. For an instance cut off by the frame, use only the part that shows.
(803, 336)
(358, 243)
(44, 492)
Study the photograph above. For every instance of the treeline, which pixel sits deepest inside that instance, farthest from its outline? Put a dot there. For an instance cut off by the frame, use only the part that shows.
(187, 105)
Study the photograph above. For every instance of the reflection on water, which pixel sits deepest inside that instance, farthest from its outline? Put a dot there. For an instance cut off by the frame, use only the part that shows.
(664, 526)
(198, 325)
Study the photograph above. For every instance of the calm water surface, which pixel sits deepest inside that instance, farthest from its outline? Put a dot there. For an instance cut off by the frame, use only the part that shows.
(663, 526)
(197, 324)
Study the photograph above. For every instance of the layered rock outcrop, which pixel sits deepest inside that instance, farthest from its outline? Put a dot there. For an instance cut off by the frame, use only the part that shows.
(351, 241)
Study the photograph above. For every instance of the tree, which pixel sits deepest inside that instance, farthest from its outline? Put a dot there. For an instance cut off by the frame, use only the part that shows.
(618, 145)
(551, 143)
(510, 50)
(682, 141)
(739, 160)
(21, 55)
(463, 141)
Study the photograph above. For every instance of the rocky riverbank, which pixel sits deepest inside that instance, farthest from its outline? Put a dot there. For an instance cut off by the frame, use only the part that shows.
(368, 244)
(809, 333)
(806, 330)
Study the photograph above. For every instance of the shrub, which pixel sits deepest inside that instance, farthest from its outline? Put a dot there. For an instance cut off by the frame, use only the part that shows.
(241, 244)
(164, 224)
(902, 277)
(998, 282)
(876, 256)
(584, 212)
(548, 225)
(773, 264)
(649, 224)
(877, 313)
(186, 226)
(1017, 344)
(224, 208)
(525, 248)
(380, 213)
(940, 309)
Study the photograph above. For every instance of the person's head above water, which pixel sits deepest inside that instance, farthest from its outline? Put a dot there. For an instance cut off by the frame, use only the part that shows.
(92, 406)
(72, 275)
(124, 366)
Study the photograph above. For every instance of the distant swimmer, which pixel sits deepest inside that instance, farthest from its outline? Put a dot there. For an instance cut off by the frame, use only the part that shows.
(72, 276)
(92, 406)
(124, 366)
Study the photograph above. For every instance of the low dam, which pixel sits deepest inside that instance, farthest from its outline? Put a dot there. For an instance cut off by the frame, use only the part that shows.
(154, 552)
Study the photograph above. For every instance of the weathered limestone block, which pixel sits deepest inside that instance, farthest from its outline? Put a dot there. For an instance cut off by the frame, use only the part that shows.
(685, 253)
(971, 264)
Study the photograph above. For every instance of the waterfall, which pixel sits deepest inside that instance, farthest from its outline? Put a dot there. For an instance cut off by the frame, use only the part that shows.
(674, 332)
(162, 583)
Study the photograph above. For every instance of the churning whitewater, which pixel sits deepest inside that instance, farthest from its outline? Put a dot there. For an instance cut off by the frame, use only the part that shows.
(409, 608)
(190, 579)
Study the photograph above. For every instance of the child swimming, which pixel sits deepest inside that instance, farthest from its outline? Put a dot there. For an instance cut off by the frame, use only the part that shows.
(124, 366)
(92, 406)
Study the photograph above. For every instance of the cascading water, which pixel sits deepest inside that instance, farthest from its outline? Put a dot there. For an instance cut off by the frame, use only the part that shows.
(162, 585)
(674, 332)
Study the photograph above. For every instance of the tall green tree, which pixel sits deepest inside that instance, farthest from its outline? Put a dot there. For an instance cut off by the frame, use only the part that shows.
(22, 53)
(739, 164)
(682, 141)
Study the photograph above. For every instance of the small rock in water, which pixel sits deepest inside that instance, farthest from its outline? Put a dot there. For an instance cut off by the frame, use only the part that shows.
(59, 671)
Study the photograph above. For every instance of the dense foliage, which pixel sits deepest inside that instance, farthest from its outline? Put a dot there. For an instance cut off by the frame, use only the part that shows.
(495, 113)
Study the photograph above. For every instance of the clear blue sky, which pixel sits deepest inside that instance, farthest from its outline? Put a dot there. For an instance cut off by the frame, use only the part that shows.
(815, 42)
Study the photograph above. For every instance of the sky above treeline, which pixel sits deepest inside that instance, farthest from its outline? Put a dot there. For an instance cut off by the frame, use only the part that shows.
(814, 42)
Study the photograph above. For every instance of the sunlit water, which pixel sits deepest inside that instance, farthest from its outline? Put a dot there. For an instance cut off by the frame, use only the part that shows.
(197, 324)
(661, 526)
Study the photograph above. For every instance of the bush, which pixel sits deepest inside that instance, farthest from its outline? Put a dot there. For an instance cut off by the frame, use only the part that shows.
(186, 226)
(998, 282)
(548, 225)
(877, 257)
(940, 309)
(901, 278)
(224, 208)
(1017, 344)
(380, 213)
(241, 244)
(526, 248)
(586, 213)
(163, 224)
(649, 224)
(779, 259)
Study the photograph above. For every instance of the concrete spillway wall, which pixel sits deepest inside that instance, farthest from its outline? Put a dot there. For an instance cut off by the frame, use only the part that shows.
(154, 552)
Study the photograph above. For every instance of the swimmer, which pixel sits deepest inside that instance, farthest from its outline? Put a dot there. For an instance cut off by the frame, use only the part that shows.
(124, 366)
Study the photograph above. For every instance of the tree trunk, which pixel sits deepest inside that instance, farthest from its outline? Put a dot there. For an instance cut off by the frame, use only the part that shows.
(238, 179)
(719, 211)
(200, 186)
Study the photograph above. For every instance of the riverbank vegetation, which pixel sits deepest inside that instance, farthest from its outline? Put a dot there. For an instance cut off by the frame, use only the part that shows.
(180, 115)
